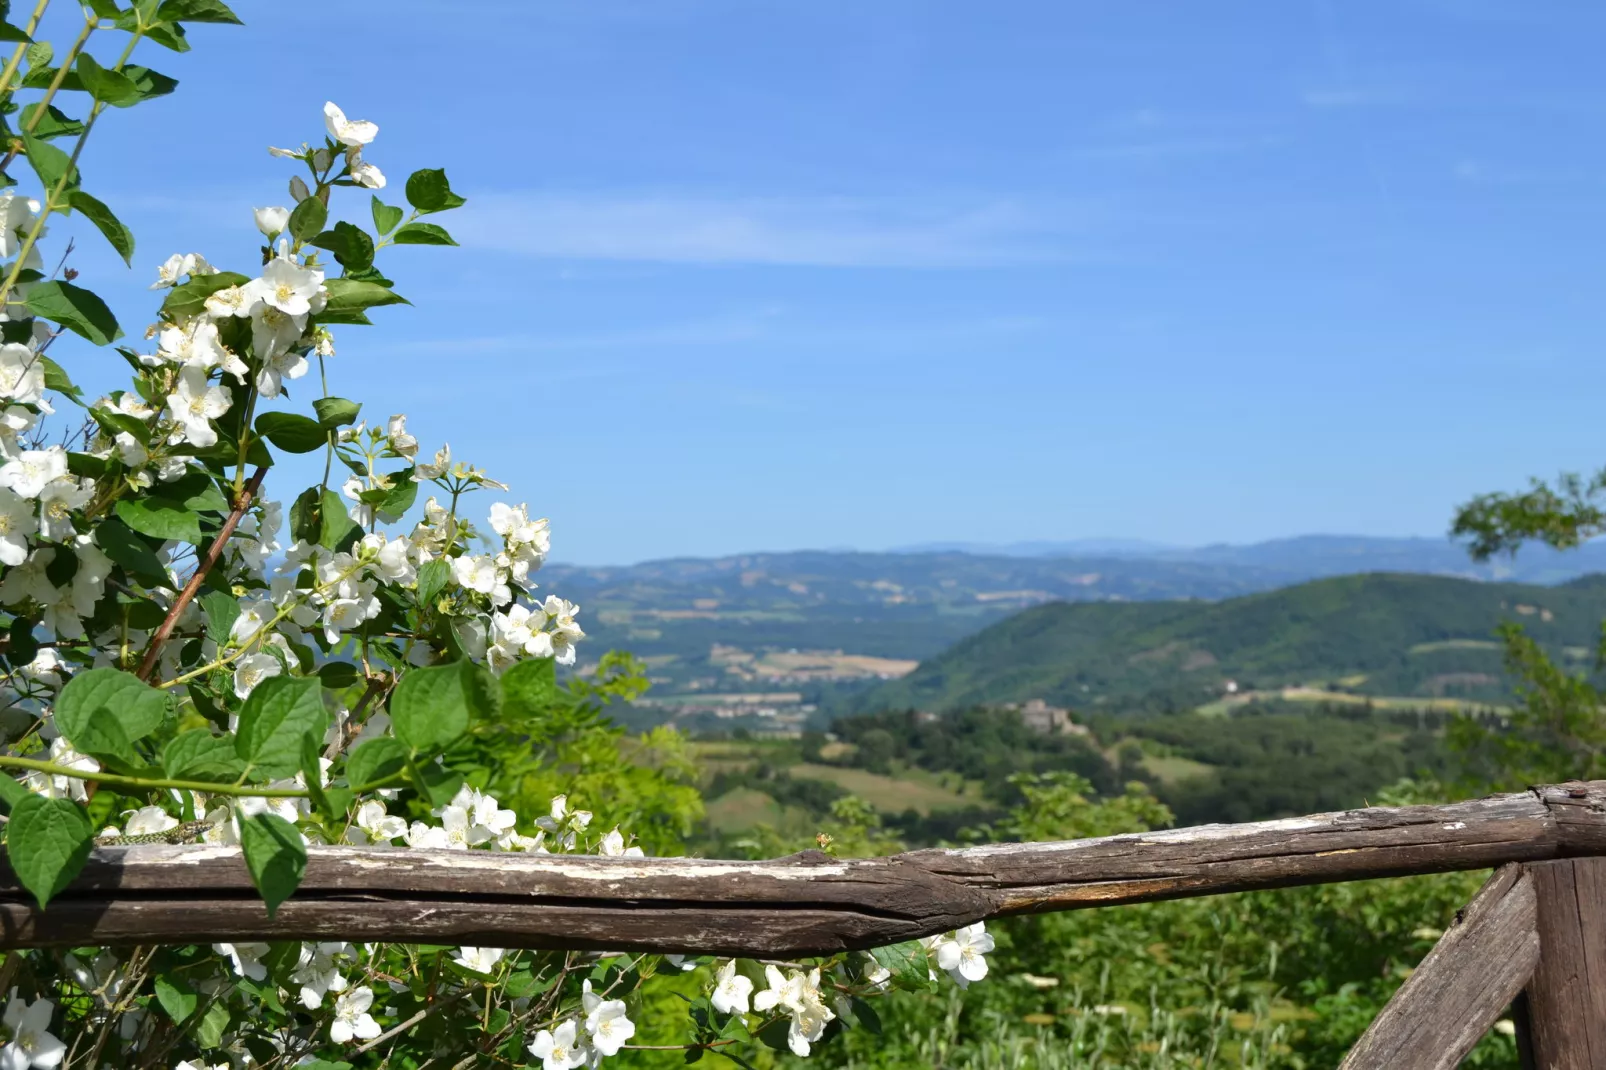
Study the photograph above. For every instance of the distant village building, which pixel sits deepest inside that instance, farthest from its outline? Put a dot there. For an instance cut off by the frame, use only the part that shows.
(1050, 720)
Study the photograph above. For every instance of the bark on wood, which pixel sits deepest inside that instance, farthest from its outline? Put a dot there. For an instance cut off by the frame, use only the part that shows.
(1567, 996)
(1462, 986)
(797, 905)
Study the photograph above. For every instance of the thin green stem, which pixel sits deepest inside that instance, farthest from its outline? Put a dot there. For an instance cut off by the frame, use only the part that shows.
(22, 48)
(117, 780)
(260, 634)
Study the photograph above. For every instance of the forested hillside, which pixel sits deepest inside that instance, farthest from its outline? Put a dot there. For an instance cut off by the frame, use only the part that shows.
(1379, 636)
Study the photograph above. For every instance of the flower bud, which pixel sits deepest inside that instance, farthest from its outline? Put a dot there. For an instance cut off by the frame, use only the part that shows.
(271, 221)
(298, 189)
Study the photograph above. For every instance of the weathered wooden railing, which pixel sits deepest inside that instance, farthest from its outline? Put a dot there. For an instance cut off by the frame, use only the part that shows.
(1536, 933)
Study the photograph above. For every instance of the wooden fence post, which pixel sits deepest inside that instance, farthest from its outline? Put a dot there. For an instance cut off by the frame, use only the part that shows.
(1567, 996)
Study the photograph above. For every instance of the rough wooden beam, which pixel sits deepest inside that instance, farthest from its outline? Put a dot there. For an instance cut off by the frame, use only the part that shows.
(1567, 996)
(796, 905)
(1462, 986)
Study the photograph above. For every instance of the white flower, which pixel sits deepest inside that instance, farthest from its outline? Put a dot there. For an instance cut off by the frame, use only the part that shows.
(352, 1019)
(477, 572)
(318, 972)
(606, 1022)
(558, 1049)
(32, 1043)
(17, 521)
(681, 962)
(168, 271)
(56, 504)
(130, 451)
(287, 286)
(22, 374)
(147, 820)
(961, 951)
(613, 846)
(247, 959)
(799, 996)
(16, 213)
(731, 990)
(421, 835)
(438, 467)
(230, 301)
(400, 441)
(362, 172)
(479, 959)
(287, 364)
(31, 470)
(251, 670)
(353, 133)
(271, 221)
(272, 331)
(194, 405)
(57, 786)
(380, 826)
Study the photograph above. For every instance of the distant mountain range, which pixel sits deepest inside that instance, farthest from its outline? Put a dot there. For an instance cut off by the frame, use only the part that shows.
(1389, 637)
(736, 625)
(1315, 555)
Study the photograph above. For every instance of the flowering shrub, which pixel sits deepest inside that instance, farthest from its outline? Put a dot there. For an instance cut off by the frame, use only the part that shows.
(188, 659)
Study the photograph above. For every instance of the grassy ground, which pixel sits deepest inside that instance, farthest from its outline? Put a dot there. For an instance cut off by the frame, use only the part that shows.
(910, 788)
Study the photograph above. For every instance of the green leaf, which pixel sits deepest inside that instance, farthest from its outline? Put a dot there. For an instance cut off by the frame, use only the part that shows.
(222, 610)
(197, 491)
(292, 432)
(47, 161)
(106, 9)
(21, 645)
(867, 1016)
(385, 216)
(401, 495)
(160, 519)
(109, 87)
(338, 675)
(40, 54)
(10, 33)
(353, 247)
(121, 238)
(278, 713)
(209, 1030)
(12, 792)
(428, 191)
(56, 379)
(432, 577)
(437, 783)
(197, 11)
(336, 412)
(47, 842)
(530, 688)
(131, 552)
(335, 525)
(167, 34)
(350, 295)
(179, 1002)
(909, 964)
(432, 707)
(308, 218)
(312, 774)
(75, 308)
(188, 299)
(775, 1035)
(101, 735)
(53, 123)
(149, 83)
(275, 856)
(306, 515)
(139, 707)
(198, 753)
(422, 234)
(375, 760)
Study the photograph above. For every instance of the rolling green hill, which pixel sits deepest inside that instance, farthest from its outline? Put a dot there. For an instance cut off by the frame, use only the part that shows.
(1374, 635)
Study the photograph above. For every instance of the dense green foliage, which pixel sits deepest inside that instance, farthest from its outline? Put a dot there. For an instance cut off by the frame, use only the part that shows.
(1378, 635)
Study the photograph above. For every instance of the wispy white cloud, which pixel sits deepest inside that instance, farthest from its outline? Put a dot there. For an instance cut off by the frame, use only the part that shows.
(833, 232)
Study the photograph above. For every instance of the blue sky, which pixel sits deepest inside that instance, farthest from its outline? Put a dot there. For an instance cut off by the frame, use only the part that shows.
(742, 275)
